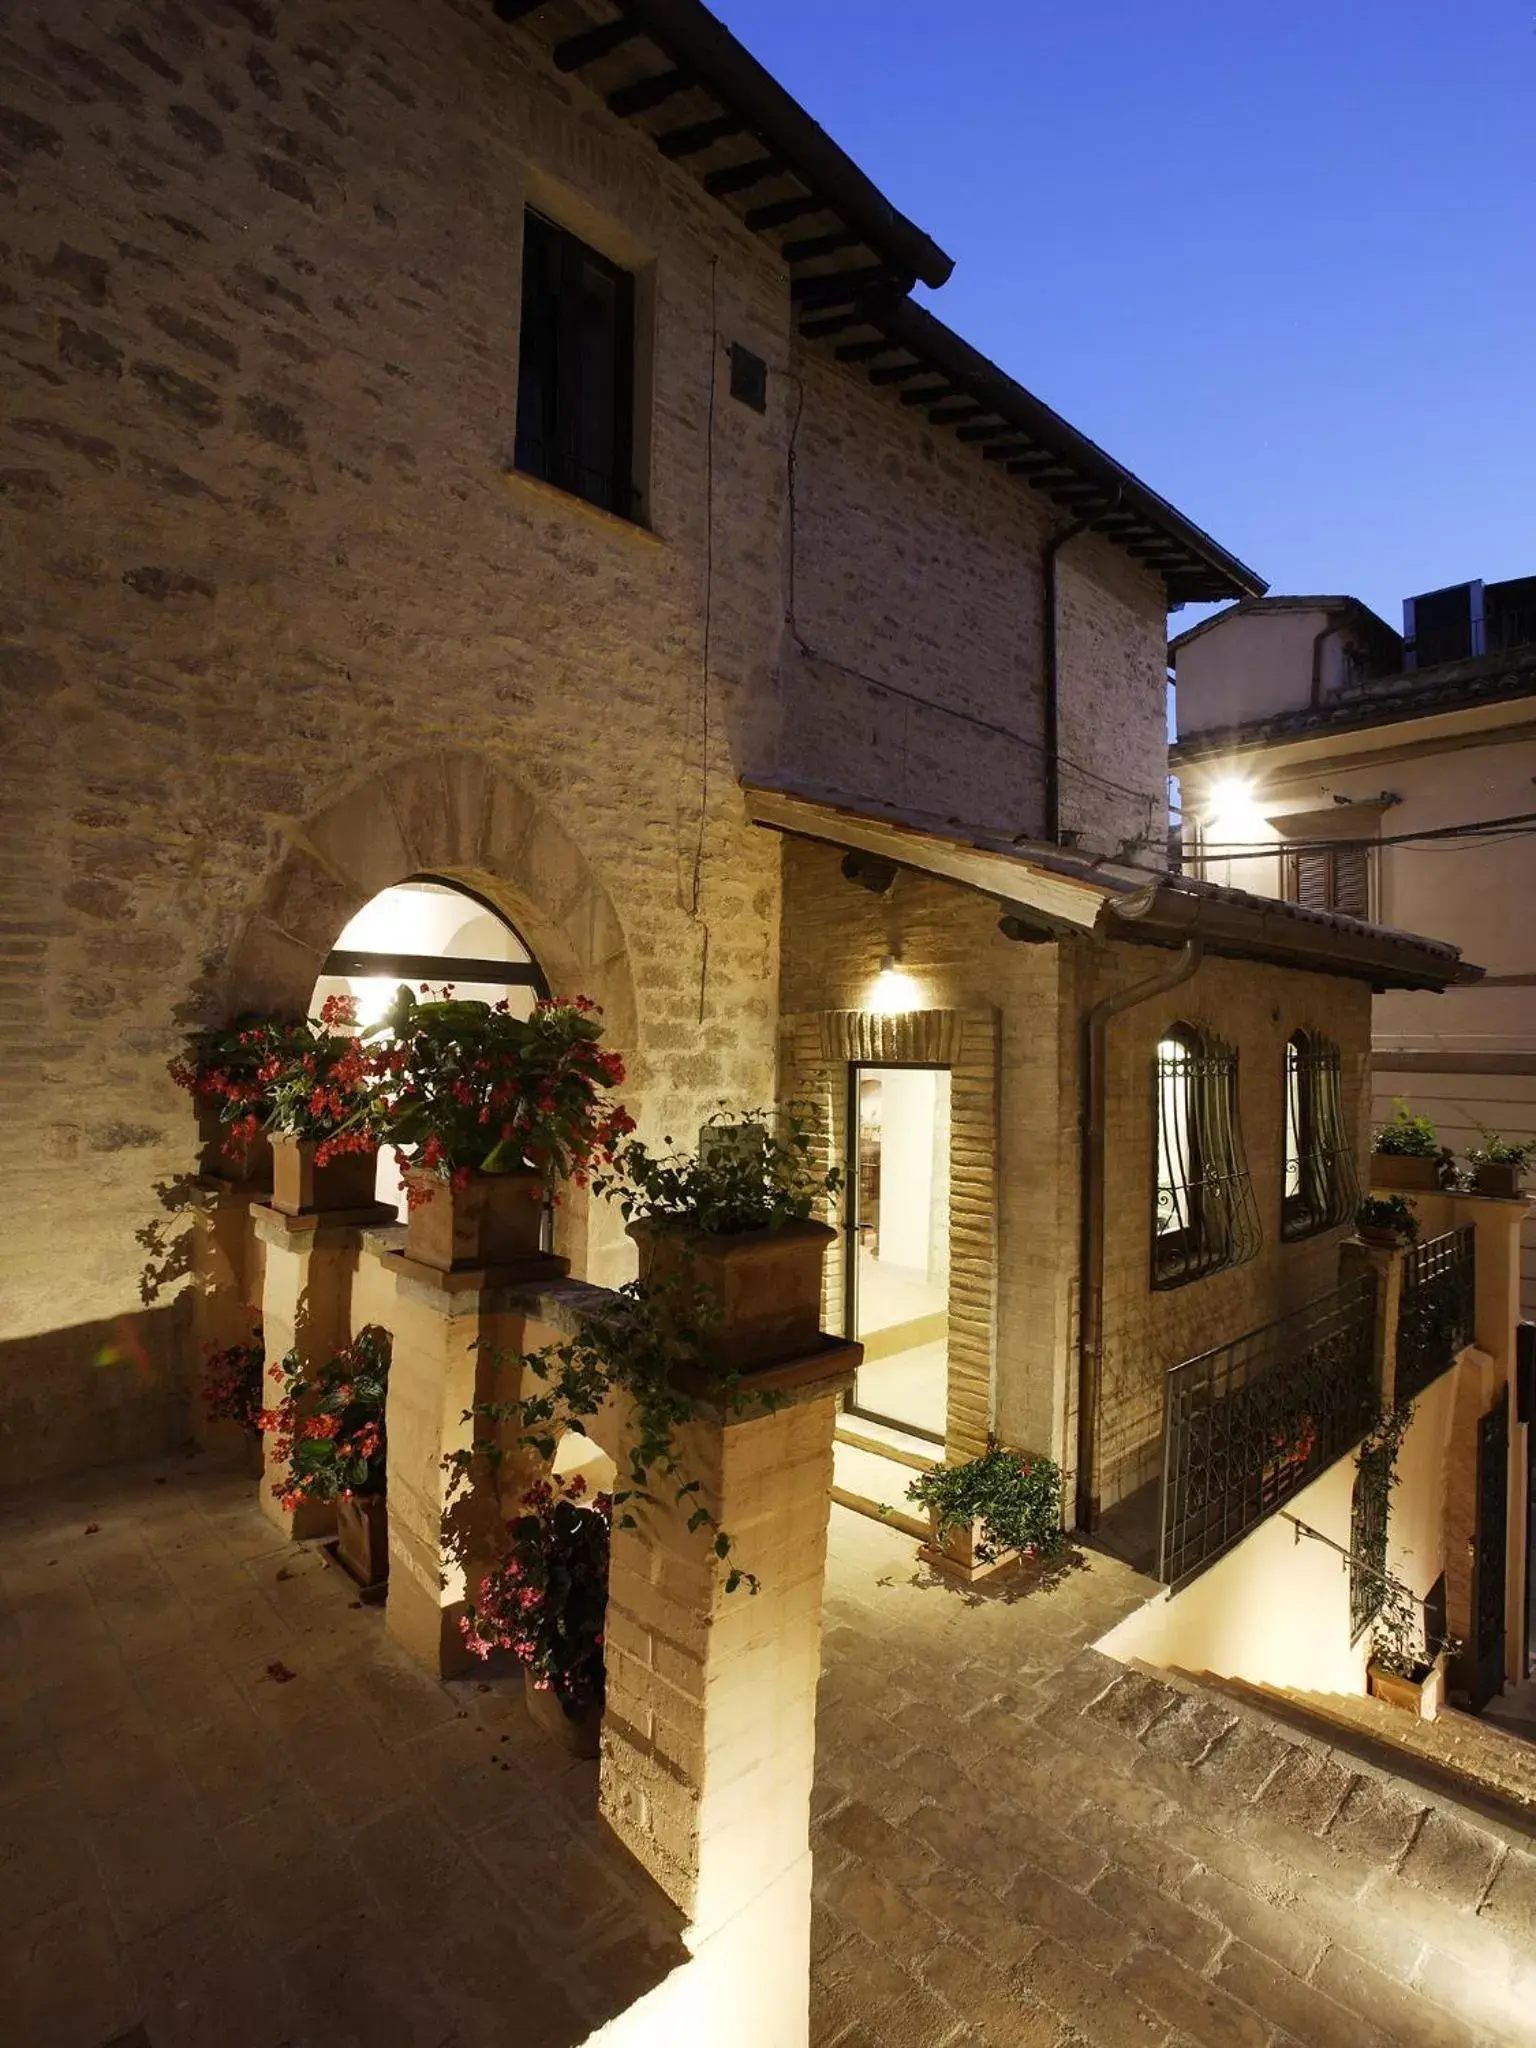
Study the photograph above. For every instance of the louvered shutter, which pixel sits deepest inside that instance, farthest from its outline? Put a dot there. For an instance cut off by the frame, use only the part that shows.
(1312, 879)
(1352, 881)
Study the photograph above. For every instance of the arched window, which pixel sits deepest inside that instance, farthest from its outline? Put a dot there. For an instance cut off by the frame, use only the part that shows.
(427, 931)
(1203, 1213)
(1320, 1186)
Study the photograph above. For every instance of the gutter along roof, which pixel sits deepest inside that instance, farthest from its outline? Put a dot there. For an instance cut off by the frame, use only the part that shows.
(1392, 700)
(1336, 607)
(676, 71)
(1069, 894)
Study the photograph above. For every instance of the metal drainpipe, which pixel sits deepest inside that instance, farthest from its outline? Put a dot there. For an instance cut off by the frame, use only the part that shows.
(1090, 1314)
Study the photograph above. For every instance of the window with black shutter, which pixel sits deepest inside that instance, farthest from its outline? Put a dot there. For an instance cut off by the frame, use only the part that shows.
(1330, 878)
(575, 377)
(1204, 1216)
(1320, 1185)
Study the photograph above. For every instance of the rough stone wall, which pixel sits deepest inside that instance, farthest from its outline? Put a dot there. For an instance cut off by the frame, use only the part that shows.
(1256, 1009)
(257, 352)
(913, 658)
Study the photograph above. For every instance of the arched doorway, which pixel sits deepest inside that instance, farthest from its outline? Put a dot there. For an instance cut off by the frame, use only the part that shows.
(427, 933)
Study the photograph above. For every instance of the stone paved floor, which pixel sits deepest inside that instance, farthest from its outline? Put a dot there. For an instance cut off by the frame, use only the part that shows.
(1024, 1844)
(1018, 1842)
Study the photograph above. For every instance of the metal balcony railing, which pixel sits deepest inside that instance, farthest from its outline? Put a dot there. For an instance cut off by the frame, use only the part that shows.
(1435, 1317)
(1247, 1425)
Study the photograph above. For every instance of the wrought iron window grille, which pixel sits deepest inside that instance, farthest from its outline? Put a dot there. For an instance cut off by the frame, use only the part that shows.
(1248, 1424)
(1436, 1309)
(1368, 1538)
(1204, 1214)
(1321, 1187)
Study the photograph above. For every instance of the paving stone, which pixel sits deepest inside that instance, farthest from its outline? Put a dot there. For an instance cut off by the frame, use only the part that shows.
(1452, 1860)
(1422, 1915)
(997, 2008)
(1284, 2000)
(1156, 1917)
(1082, 1923)
(893, 1852)
(861, 1898)
(1186, 1732)
(966, 1846)
(1376, 1821)
(1307, 1790)
(1132, 1703)
(1408, 2021)
(64, 1984)
(1191, 2002)
(203, 1982)
(1267, 1922)
(977, 1917)
(1501, 2002)
(1510, 1906)
(1239, 1766)
(43, 1861)
(1094, 2004)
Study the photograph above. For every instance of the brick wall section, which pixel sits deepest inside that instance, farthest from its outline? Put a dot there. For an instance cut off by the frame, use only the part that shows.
(1256, 1009)
(917, 565)
(260, 278)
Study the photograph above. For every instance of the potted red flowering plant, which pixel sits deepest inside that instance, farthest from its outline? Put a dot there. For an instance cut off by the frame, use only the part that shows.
(734, 1221)
(545, 1601)
(231, 1387)
(491, 1111)
(990, 1511)
(321, 1115)
(328, 1428)
(220, 1067)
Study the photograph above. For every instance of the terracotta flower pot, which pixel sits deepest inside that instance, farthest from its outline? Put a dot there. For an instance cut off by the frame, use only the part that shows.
(1399, 1173)
(579, 1733)
(496, 1221)
(954, 1553)
(362, 1538)
(1495, 1177)
(766, 1283)
(1419, 1696)
(301, 1188)
(1383, 1235)
(246, 1163)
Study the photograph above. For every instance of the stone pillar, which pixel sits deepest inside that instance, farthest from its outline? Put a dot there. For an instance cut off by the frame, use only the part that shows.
(1386, 1263)
(227, 1271)
(709, 1727)
(310, 1268)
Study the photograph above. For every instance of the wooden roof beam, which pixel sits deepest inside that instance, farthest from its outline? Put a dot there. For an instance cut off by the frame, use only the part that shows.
(574, 53)
(862, 351)
(646, 93)
(952, 415)
(817, 328)
(987, 431)
(898, 373)
(678, 142)
(742, 177)
(930, 394)
(1005, 451)
(833, 287)
(514, 10)
(778, 213)
(812, 246)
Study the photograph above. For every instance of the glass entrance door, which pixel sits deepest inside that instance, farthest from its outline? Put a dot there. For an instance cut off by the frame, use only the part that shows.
(898, 1182)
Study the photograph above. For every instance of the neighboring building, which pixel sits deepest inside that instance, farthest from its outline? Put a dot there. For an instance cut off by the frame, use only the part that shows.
(1326, 760)
(491, 450)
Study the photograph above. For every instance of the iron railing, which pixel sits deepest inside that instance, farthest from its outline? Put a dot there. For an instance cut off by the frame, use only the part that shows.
(1435, 1316)
(1247, 1425)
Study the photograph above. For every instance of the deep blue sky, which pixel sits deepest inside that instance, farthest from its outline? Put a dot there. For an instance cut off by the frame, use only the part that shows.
(1280, 260)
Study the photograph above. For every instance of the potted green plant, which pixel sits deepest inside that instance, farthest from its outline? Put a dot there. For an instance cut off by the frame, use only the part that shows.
(322, 1116)
(1404, 1669)
(231, 1388)
(1498, 1164)
(1386, 1220)
(990, 1511)
(491, 1113)
(1406, 1152)
(734, 1221)
(545, 1600)
(328, 1427)
(220, 1067)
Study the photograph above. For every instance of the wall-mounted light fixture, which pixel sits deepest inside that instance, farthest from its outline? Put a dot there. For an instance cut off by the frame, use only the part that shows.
(894, 990)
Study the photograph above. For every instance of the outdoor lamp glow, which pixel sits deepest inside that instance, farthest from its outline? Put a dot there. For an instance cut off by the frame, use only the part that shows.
(1231, 812)
(894, 990)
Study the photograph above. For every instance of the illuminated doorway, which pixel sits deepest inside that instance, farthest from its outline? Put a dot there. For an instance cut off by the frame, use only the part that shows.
(898, 1266)
(427, 931)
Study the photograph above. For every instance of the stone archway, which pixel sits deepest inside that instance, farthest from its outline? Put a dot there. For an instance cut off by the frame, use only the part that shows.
(452, 815)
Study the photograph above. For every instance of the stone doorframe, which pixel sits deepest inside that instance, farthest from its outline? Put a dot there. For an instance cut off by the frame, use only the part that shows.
(816, 1050)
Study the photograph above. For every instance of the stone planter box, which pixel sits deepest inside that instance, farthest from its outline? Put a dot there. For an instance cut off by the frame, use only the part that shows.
(362, 1539)
(497, 1220)
(301, 1188)
(580, 1734)
(1383, 1236)
(1505, 1182)
(1400, 1174)
(247, 1165)
(1423, 1697)
(766, 1283)
(955, 1553)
